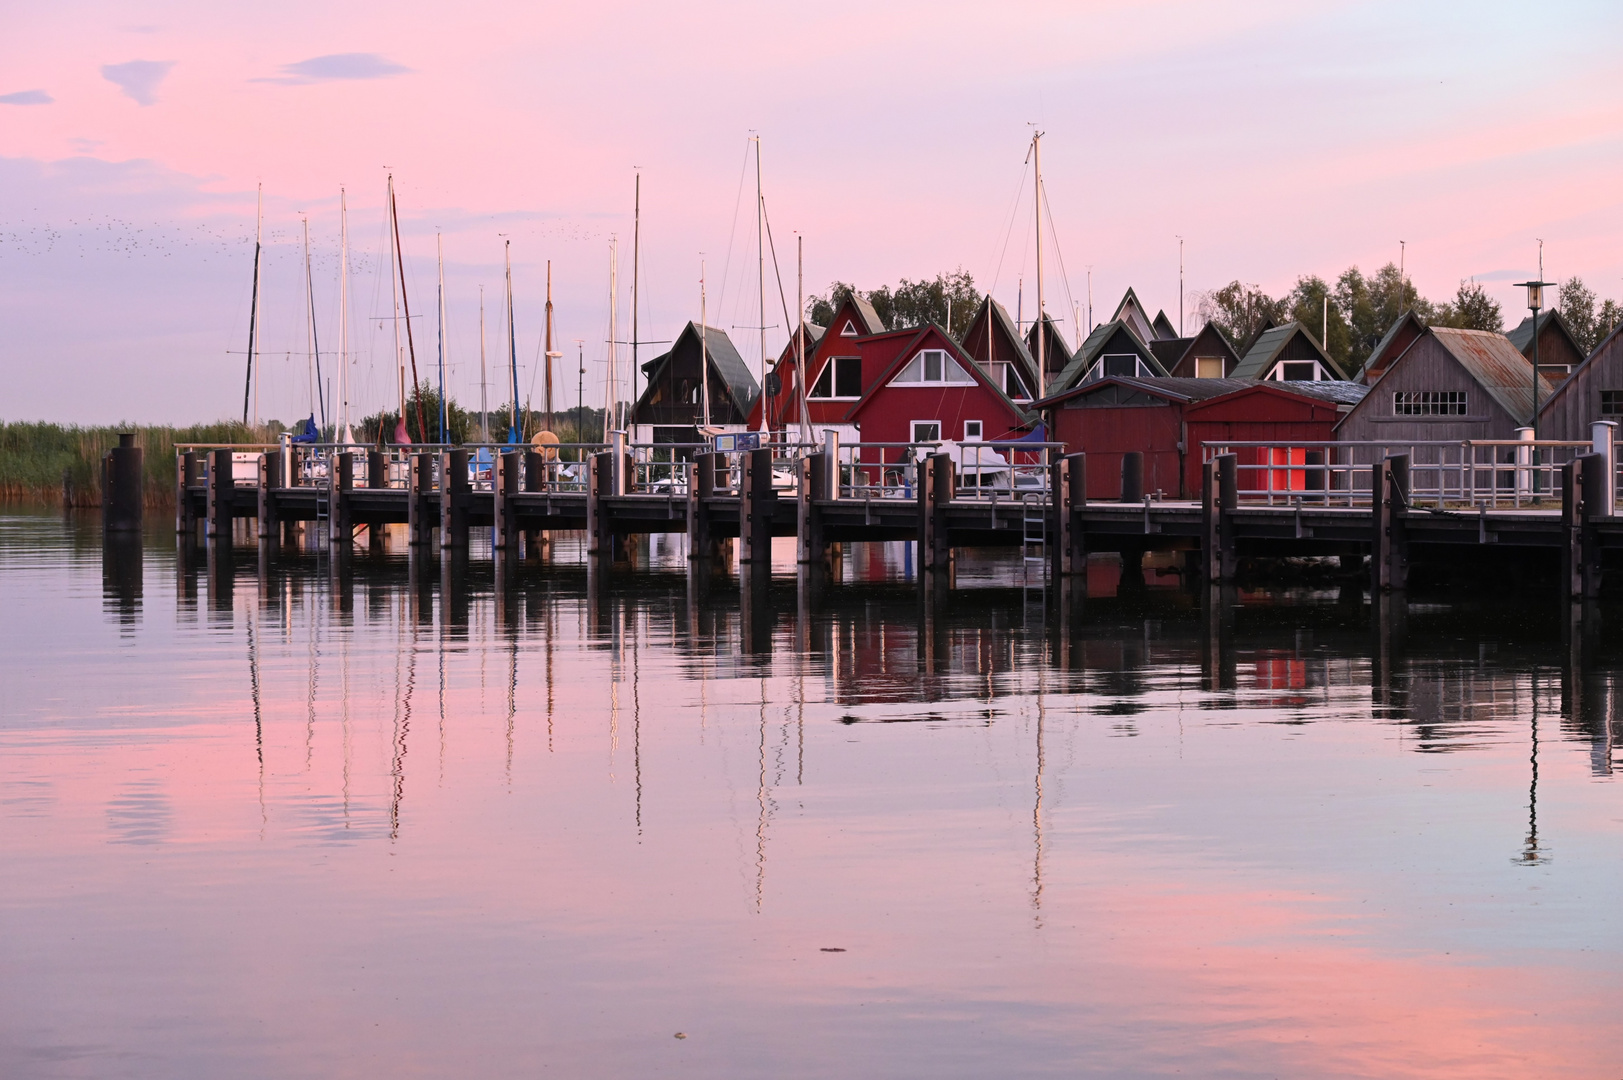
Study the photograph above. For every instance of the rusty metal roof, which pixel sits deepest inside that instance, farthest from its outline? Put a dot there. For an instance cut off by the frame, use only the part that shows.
(1494, 362)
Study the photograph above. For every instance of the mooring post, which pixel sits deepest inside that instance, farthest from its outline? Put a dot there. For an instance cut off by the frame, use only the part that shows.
(340, 512)
(270, 478)
(1132, 476)
(1595, 472)
(701, 488)
(220, 488)
(504, 485)
(123, 497)
(1389, 564)
(756, 503)
(186, 478)
(455, 488)
(1070, 490)
(812, 489)
(936, 482)
(377, 470)
(419, 499)
(599, 485)
(1219, 498)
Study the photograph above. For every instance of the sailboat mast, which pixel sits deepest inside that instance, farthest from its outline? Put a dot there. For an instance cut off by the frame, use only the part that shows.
(1037, 161)
(439, 242)
(514, 434)
(343, 314)
(484, 405)
(394, 301)
(704, 351)
(611, 388)
(310, 324)
(405, 305)
(636, 279)
(548, 347)
(800, 335)
(250, 383)
(760, 273)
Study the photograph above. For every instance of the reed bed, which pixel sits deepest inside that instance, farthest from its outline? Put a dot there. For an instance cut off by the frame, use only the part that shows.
(61, 463)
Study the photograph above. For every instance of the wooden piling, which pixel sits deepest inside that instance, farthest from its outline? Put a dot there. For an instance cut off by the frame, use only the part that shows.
(757, 502)
(1389, 562)
(340, 511)
(936, 485)
(812, 489)
(702, 488)
(221, 487)
(1595, 473)
(1219, 497)
(419, 504)
(504, 484)
(270, 478)
(123, 495)
(599, 486)
(1070, 487)
(455, 494)
(186, 475)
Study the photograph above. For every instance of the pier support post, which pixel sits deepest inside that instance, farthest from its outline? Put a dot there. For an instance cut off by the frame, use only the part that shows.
(122, 490)
(937, 486)
(504, 484)
(454, 494)
(813, 488)
(1389, 564)
(419, 492)
(1070, 487)
(756, 503)
(701, 488)
(600, 476)
(221, 485)
(185, 480)
(1132, 476)
(1219, 497)
(270, 478)
(1582, 495)
(340, 519)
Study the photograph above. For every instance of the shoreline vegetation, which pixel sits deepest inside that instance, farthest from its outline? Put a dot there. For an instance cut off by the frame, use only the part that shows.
(60, 464)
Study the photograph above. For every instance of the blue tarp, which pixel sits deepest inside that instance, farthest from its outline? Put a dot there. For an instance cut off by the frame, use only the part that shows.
(1038, 434)
(308, 432)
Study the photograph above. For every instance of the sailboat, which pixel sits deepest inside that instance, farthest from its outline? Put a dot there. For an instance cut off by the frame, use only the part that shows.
(345, 437)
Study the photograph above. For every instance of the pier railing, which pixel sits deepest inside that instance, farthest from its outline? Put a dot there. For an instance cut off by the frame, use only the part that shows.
(1493, 473)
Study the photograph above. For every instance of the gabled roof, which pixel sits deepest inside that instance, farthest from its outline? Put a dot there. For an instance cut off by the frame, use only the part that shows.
(1263, 327)
(1004, 327)
(1053, 342)
(1131, 312)
(1572, 378)
(1163, 328)
(866, 319)
(1260, 358)
(1491, 360)
(1378, 360)
(1111, 335)
(1173, 389)
(723, 359)
(1171, 351)
(922, 335)
(1522, 336)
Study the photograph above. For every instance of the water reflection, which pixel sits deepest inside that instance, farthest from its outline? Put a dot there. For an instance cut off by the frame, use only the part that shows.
(543, 814)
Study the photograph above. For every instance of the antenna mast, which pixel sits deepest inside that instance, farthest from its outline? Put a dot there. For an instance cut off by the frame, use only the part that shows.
(1042, 364)
(704, 350)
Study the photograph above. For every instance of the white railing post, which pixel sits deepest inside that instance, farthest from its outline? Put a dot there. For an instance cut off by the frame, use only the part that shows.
(1603, 436)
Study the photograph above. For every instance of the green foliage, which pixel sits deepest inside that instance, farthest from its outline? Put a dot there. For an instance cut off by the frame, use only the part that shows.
(908, 303)
(460, 425)
(1590, 325)
(1311, 304)
(36, 458)
(1471, 309)
(1238, 310)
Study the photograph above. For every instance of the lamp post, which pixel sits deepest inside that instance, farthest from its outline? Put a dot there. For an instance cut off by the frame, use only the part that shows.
(1535, 303)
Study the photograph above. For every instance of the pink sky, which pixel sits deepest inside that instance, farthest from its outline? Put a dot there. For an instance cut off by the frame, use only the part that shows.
(1277, 140)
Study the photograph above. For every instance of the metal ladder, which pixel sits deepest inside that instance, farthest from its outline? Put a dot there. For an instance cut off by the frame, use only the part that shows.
(323, 516)
(1034, 533)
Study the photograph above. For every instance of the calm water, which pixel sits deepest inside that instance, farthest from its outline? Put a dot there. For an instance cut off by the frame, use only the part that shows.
(309, 823)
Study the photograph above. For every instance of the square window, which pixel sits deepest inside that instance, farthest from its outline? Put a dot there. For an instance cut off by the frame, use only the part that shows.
(847, 376)
(1208, 367)
(926, 431)
(1299, 371)
(1428, 403)
(972, 431)
(932, 366)
(1611, 402)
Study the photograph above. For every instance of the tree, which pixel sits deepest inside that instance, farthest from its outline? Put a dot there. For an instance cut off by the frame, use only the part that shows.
(1606, 320)
(1577, 303)
(1307, 303)
(909, 303)
(1471, 309)
(1238, 310)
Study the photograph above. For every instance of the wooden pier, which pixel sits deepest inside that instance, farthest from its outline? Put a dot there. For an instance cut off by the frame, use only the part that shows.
(740, 498)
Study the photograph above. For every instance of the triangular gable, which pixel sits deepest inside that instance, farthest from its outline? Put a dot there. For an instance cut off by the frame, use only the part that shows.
(1491, 360)
(1522, 336)
(855, 314)
(722, 358)
(1398, 337)
(1268, 351)
(1572, 380)
(931, 336)
(991, 320)
(1132, 313)
(1162, 327)
(1208, 343)
(1111, 338)
(952, 373)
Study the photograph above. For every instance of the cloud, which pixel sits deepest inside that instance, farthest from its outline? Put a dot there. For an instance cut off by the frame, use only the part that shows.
(338, 66)
(138, 78)
(27, 97)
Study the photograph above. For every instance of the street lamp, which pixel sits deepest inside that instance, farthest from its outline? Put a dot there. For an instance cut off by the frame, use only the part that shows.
(1535, 302)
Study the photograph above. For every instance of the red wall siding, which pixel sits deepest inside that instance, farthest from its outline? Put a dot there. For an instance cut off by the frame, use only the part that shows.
(1256, 416)
(1106, 434)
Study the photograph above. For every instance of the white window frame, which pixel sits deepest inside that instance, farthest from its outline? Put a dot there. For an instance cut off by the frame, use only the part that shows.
(976, 436)
(951, 373)
(1430, 403)
(913, 431)
(1141, 370)
(1278, 374)
(833, 374)
(1218, 360)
